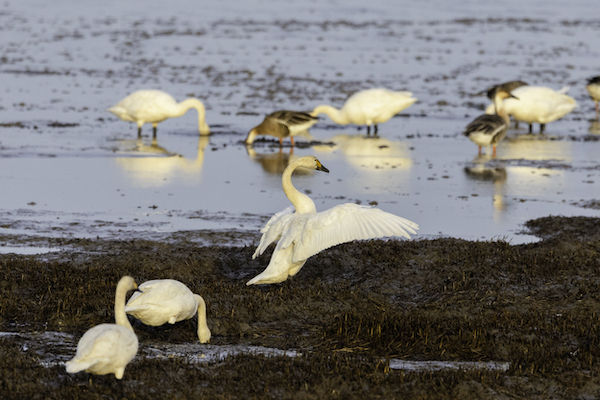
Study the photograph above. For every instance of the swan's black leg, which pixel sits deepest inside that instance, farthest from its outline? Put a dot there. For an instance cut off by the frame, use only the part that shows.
(530, 128)
(154, 132)
(368, 130)
(542, 127)
(375, 130)
(139, 132)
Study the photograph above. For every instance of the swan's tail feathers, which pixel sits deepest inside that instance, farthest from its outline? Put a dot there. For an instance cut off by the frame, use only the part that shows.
(266, 277)
(118, 111)
(74, 366)
(133, 309)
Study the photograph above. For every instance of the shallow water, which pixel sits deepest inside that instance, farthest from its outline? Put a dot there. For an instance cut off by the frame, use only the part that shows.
(71, 169)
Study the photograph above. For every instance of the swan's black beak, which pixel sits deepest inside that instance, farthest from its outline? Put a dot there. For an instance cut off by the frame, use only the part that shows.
(320, 167)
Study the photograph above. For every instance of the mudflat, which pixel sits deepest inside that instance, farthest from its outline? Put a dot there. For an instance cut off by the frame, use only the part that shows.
(527, 313)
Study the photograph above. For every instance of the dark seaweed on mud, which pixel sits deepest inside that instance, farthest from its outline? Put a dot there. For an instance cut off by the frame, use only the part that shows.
(350, 310)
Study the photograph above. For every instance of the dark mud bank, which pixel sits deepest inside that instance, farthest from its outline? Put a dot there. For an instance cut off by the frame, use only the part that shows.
(350, 310)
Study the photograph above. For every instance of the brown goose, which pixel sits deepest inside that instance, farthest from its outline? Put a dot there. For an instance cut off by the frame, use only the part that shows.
(488, 130)
(282, 124)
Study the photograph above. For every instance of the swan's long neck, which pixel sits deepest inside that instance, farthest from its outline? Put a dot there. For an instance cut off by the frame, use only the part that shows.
(203, 331)
(336, 115)
(185, 105)
(499, 106)
(302, 203)
(120, 316)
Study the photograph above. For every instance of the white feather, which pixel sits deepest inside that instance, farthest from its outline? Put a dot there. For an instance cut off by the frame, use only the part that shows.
(306, 232)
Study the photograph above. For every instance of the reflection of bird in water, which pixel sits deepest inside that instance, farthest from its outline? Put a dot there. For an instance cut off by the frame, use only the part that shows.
(283, 124)
(166, 300)
(593, 88)
(497, 175)
(480, 171)
(369, 152)
(488, 130)
(108, 348)
(306, 232)
(368, 107)
(273, 163)
(507, 87)
(150, 166)
(538, 104)
(154, 106)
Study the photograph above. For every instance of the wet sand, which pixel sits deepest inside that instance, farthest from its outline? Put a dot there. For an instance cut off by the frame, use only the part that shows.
(349, 311)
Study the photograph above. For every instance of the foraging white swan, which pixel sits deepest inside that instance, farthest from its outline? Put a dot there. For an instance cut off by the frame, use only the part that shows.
(368, 107)
(488, 130)
(306, 232)
(108, 348)
(538, 104)
(154, 106)
(282, 124)
(166, 300)
(593, 88)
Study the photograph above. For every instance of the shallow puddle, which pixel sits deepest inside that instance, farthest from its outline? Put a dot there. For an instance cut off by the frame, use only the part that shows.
(55, 348)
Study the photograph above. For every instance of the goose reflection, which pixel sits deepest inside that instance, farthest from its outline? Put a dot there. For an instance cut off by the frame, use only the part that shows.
(368, 152)
(275, 162)
(153, 166)
(481, 170)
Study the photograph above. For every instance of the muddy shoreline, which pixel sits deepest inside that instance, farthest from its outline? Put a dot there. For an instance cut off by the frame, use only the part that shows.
(349, 311)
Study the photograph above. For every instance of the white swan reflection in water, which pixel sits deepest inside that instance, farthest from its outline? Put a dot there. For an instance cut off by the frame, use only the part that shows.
(275, 162)
(526, 167)
(152, 165)
(382, 165)
(368, 152)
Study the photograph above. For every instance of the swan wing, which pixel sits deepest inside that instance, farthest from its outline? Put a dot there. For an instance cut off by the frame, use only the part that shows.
(273, 229)
(487, 124)
(291, 118)
(341, 224)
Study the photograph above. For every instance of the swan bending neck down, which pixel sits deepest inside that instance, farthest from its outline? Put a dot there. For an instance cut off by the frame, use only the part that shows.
(167, 300)
(108, 348)
(155, 106)
(306, 232)
(368, 107)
